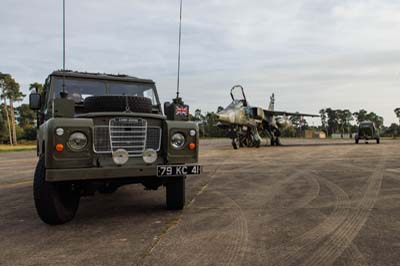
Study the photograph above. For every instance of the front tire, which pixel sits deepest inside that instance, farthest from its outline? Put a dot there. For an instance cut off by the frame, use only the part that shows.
(278, 142)
(377, 141)
(56, 203)
(357, 140)
(176, 194)
(275, 142)
(235, 143)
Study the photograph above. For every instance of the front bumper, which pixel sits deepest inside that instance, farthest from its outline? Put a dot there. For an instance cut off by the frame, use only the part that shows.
(93, 173)
(137, 172)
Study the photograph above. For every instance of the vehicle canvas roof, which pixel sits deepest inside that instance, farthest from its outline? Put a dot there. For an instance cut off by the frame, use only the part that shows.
(103, 76)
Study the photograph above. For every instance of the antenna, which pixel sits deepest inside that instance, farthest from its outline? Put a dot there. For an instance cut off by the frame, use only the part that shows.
(178, 110)
(63, 94)
(179, 51)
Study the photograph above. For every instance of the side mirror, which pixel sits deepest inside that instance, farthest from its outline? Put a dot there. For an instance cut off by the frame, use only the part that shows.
(35, 101)
(167, 105)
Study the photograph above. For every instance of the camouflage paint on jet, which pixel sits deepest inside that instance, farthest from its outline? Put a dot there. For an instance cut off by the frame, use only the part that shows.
(244, 122)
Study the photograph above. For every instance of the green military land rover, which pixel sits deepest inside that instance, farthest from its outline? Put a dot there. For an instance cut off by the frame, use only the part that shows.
(97, 132)
(367, 131)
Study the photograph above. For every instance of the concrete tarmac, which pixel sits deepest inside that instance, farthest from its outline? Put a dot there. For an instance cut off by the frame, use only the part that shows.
(309, 202)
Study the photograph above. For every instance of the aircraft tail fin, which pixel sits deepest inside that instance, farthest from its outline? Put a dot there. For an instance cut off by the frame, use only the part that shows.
(271, 106)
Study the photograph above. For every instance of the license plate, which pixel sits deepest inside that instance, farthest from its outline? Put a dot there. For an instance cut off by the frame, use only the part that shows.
(178, 170)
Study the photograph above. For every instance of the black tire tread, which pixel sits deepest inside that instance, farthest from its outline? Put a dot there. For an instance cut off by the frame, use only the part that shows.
(235, 144)
(47, 201)
(175, 191)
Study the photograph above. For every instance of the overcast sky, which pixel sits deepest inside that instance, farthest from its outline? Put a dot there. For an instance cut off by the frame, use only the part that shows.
(312, 53)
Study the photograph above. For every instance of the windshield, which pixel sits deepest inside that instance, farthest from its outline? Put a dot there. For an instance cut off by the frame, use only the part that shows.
(235, 104)
(79, 89)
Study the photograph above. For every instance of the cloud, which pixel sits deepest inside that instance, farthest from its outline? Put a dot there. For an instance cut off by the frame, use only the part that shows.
(312, 53)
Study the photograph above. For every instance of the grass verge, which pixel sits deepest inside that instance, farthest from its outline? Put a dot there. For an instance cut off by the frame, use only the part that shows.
(22, 147)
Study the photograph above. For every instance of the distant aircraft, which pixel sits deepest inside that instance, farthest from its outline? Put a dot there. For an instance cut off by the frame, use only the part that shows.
(244, 122)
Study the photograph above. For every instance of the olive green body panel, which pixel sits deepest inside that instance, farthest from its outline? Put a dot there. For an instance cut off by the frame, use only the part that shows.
(89, 164)
(66, 158)
(86, 165)
(64, 108)
(184, 155)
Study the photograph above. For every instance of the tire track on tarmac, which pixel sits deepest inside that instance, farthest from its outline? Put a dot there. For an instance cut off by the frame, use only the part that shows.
(344, 234)
(235, 241)
(177, 223)
(304, 244)
(306, 171)
(238, 252)
(225, 246)
(273, 209)
(280, 211)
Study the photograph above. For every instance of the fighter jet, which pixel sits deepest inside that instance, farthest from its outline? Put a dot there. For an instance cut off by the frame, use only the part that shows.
(244, 122)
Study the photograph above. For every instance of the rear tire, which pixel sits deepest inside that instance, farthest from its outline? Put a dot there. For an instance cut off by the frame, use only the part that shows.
(377, 141)
(357, 140)
(176, 194)
(56, 203)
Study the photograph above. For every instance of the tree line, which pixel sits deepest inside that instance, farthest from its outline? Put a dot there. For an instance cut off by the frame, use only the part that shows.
(16, 123)
(19, 123)
(344, 121)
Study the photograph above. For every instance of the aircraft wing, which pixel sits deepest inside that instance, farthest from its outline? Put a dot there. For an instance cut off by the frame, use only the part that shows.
(273, 113)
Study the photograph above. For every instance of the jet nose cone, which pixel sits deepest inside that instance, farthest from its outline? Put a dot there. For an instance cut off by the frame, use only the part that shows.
(225, 117)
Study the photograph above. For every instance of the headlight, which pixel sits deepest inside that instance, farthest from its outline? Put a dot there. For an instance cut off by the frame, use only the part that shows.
(178, 140)
(77, 141)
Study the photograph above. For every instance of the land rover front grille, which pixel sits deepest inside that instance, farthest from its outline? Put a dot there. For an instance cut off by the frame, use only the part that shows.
(153, 138)
(101, 139)
(130, 134)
